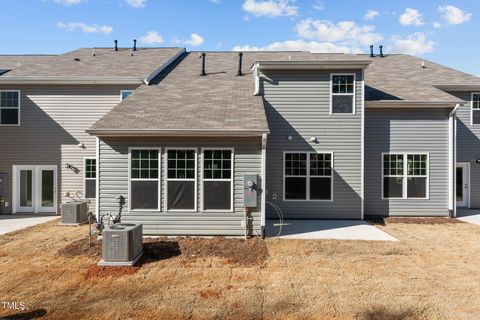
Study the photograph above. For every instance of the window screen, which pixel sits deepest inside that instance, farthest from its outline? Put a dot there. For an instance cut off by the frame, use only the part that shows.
(476, 108)
(181, 179)
(90, 178)
(393, 176)
(417, 176)
(144, 179)
(295, 176)
(217, 179)
(320, 176)
(9, 107)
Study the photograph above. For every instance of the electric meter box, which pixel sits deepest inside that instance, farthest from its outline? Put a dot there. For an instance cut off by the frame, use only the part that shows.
(3, 184)
(250, 188)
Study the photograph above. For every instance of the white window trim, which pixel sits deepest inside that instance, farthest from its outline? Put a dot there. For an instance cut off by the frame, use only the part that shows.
(405, 176)
(195, 209)
(122, 91)
(331, 94)
(159, 179)
(203, 179)
(471, 107)
(18, 108)
(85, 178)
(307, 176)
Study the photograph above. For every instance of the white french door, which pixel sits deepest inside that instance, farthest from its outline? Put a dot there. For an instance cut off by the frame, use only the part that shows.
(463, 184)
(35, 189)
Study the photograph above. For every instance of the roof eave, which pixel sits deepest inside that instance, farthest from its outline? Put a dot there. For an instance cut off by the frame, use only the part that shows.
(410, 104)
(317, 65)
(71, 80)
(178, 133)
(458, 87)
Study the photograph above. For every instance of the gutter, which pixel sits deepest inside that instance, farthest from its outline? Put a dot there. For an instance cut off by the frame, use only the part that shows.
(410, 104)
(177, 133)
(163, 66)
(457, 87)
(452, 162)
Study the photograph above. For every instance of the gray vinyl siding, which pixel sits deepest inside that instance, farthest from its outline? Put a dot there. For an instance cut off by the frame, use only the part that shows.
(53, 123)
(404, 131)
(297, 104)
(468, 145)
(114, 182)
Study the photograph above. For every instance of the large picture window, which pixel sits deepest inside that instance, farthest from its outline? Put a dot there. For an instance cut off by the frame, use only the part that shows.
(308, 176)
(217, 179)
(144, 179)
(476, 108)
(90, 176)
(181, 179)
(9, 107)
(343, 93)
(405, 176)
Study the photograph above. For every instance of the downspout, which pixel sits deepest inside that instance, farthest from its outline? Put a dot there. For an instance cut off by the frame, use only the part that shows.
(452, 208)
(264, 184)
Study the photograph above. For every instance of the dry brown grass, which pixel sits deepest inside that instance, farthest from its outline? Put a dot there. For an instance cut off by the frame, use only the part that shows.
(432, 273)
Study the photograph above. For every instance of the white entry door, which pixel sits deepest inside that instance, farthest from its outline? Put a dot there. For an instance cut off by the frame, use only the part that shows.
(35, 189)
(463, 184)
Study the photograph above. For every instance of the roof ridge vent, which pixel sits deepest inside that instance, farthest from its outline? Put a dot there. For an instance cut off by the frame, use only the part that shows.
(116, 45)
(371, 52)
(202, 72)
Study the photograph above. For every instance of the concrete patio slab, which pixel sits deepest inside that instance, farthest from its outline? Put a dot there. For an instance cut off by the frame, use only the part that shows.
(9, 223)
(469, 215)
(327, 229)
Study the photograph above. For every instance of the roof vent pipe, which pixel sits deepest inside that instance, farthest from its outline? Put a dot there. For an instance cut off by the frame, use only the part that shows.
(239, 71)
(202, 73)
(134, 44)
(381, 51)
(116, 45)
(371, 51)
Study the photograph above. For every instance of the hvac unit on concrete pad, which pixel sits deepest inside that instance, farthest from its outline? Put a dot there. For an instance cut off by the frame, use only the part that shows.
(74, 212)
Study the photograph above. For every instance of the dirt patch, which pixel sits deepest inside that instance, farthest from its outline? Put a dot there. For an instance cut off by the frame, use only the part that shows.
(209, 294)
(233, 251)
(155, 249)
(81, 248)
(412, 220)
(95, 271)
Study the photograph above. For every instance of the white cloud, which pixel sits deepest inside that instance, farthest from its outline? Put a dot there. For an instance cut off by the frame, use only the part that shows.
(270, 8)
(301, 45)
(454, 15)
(371, 14)
(72, 26)
(216, 1)
(319, 5)
(69, 2)
(152, 37)
(194, 41)
(437, 25)
(412, 44)
(411, 17)
(136, 3)
(346, 32)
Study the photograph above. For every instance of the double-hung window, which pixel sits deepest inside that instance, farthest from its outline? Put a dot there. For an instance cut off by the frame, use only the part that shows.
(476, 108)
(9, 107)
(343, 93)
(181, 179)
(405, 176)
(217, 179)
(308, 176)
(90, 176)
(144, 179)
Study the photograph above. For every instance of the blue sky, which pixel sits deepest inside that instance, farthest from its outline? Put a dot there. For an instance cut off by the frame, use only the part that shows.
(442, 31)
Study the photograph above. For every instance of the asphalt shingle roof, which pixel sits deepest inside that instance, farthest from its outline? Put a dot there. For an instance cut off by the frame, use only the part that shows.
(105, 63)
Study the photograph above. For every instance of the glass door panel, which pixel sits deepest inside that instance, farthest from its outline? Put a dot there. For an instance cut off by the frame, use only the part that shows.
(26, 189)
